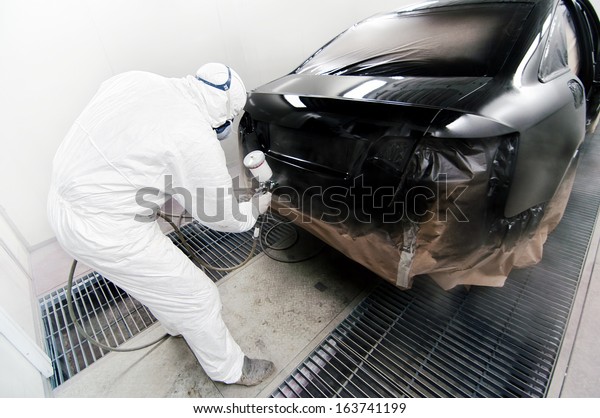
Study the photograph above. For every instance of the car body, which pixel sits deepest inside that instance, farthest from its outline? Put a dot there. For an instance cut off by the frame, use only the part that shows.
(440, 139)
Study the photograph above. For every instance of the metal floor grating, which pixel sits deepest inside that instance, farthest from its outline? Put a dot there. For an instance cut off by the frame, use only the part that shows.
(486, 342)
(106, 312)
(111, 316)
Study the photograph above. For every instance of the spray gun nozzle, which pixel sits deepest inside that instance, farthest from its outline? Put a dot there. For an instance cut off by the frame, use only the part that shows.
(266, 186)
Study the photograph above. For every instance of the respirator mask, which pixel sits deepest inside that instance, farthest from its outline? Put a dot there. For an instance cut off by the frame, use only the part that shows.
(224, 130)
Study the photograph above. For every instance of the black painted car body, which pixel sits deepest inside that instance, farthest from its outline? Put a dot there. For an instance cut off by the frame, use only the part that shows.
(436, 139)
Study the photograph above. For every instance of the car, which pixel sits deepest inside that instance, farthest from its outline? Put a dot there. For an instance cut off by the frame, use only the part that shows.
(440, 139)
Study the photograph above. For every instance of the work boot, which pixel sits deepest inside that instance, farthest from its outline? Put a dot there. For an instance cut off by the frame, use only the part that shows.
(255, 371)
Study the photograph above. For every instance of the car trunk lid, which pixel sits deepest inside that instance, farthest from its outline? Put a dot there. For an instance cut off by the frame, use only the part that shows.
(337, 125)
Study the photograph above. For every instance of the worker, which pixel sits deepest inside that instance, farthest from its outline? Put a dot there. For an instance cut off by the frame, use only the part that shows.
(144, 134)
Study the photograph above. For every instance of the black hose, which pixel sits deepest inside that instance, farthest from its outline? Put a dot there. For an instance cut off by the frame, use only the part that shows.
(265, 247)
(281, 248)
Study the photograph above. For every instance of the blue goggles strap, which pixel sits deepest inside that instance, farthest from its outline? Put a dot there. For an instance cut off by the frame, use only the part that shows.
(224, 87)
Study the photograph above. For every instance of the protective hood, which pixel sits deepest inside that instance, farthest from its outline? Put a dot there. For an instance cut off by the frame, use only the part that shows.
(221, 103)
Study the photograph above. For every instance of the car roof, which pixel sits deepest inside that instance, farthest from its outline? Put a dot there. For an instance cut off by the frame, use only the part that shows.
(423, 8)
(434, 4)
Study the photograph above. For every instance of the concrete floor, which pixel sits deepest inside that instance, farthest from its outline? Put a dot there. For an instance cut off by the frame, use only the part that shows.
(281, 312)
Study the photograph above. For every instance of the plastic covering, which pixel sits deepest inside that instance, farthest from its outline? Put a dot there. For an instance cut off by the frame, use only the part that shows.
(472, 40)
(450, 227)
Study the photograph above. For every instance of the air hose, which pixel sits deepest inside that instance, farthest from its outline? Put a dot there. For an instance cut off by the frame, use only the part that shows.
(197, 260)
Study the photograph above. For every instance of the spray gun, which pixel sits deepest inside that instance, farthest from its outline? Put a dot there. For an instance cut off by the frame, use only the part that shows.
(256, 162)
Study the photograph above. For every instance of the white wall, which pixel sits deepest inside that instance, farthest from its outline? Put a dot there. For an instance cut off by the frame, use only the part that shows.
(18, 379)
(20, 337)
(54, 54)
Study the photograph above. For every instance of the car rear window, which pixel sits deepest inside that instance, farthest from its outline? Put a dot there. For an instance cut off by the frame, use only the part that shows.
(466, 40)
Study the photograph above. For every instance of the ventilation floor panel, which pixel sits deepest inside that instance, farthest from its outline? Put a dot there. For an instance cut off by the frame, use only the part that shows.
(482, 342)
(106, 312)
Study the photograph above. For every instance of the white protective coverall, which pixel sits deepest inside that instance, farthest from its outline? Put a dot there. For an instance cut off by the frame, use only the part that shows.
(144, 132)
